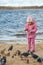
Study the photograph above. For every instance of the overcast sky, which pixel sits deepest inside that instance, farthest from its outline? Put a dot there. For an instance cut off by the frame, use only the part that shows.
(21, 2)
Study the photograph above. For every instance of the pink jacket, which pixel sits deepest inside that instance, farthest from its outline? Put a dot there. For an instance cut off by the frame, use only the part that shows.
(31, 30)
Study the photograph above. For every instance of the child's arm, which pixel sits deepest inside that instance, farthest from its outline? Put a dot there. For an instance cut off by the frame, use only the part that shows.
(26, 27)
(35, 28)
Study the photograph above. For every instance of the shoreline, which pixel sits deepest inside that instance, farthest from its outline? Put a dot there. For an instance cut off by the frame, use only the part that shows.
(18, 42)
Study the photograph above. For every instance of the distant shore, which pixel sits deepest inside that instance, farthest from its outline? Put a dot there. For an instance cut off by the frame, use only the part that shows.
(21, 7)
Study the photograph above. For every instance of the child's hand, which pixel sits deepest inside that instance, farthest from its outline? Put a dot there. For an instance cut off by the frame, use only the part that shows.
(30, 31)
(25, 29)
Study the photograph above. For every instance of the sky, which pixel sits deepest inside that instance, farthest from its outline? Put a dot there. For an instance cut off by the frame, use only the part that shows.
(21, 2)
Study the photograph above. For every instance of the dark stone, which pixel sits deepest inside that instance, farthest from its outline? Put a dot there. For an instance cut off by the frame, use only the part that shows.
(3, 60)
(10, 48)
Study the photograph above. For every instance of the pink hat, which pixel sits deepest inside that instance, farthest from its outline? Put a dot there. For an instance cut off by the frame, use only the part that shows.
(30, 19)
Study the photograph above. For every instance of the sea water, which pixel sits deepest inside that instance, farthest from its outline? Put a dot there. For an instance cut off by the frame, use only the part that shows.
(12, 24)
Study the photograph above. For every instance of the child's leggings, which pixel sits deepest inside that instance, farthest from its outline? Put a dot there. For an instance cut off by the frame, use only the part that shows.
(31, 44)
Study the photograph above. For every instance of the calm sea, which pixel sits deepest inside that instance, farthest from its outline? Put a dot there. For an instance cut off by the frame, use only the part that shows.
(12, 23)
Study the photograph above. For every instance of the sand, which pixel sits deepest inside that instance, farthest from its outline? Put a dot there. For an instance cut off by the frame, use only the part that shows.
(17, 60)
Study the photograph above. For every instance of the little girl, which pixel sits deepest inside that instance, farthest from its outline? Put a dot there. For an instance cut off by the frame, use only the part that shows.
(31, 29)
